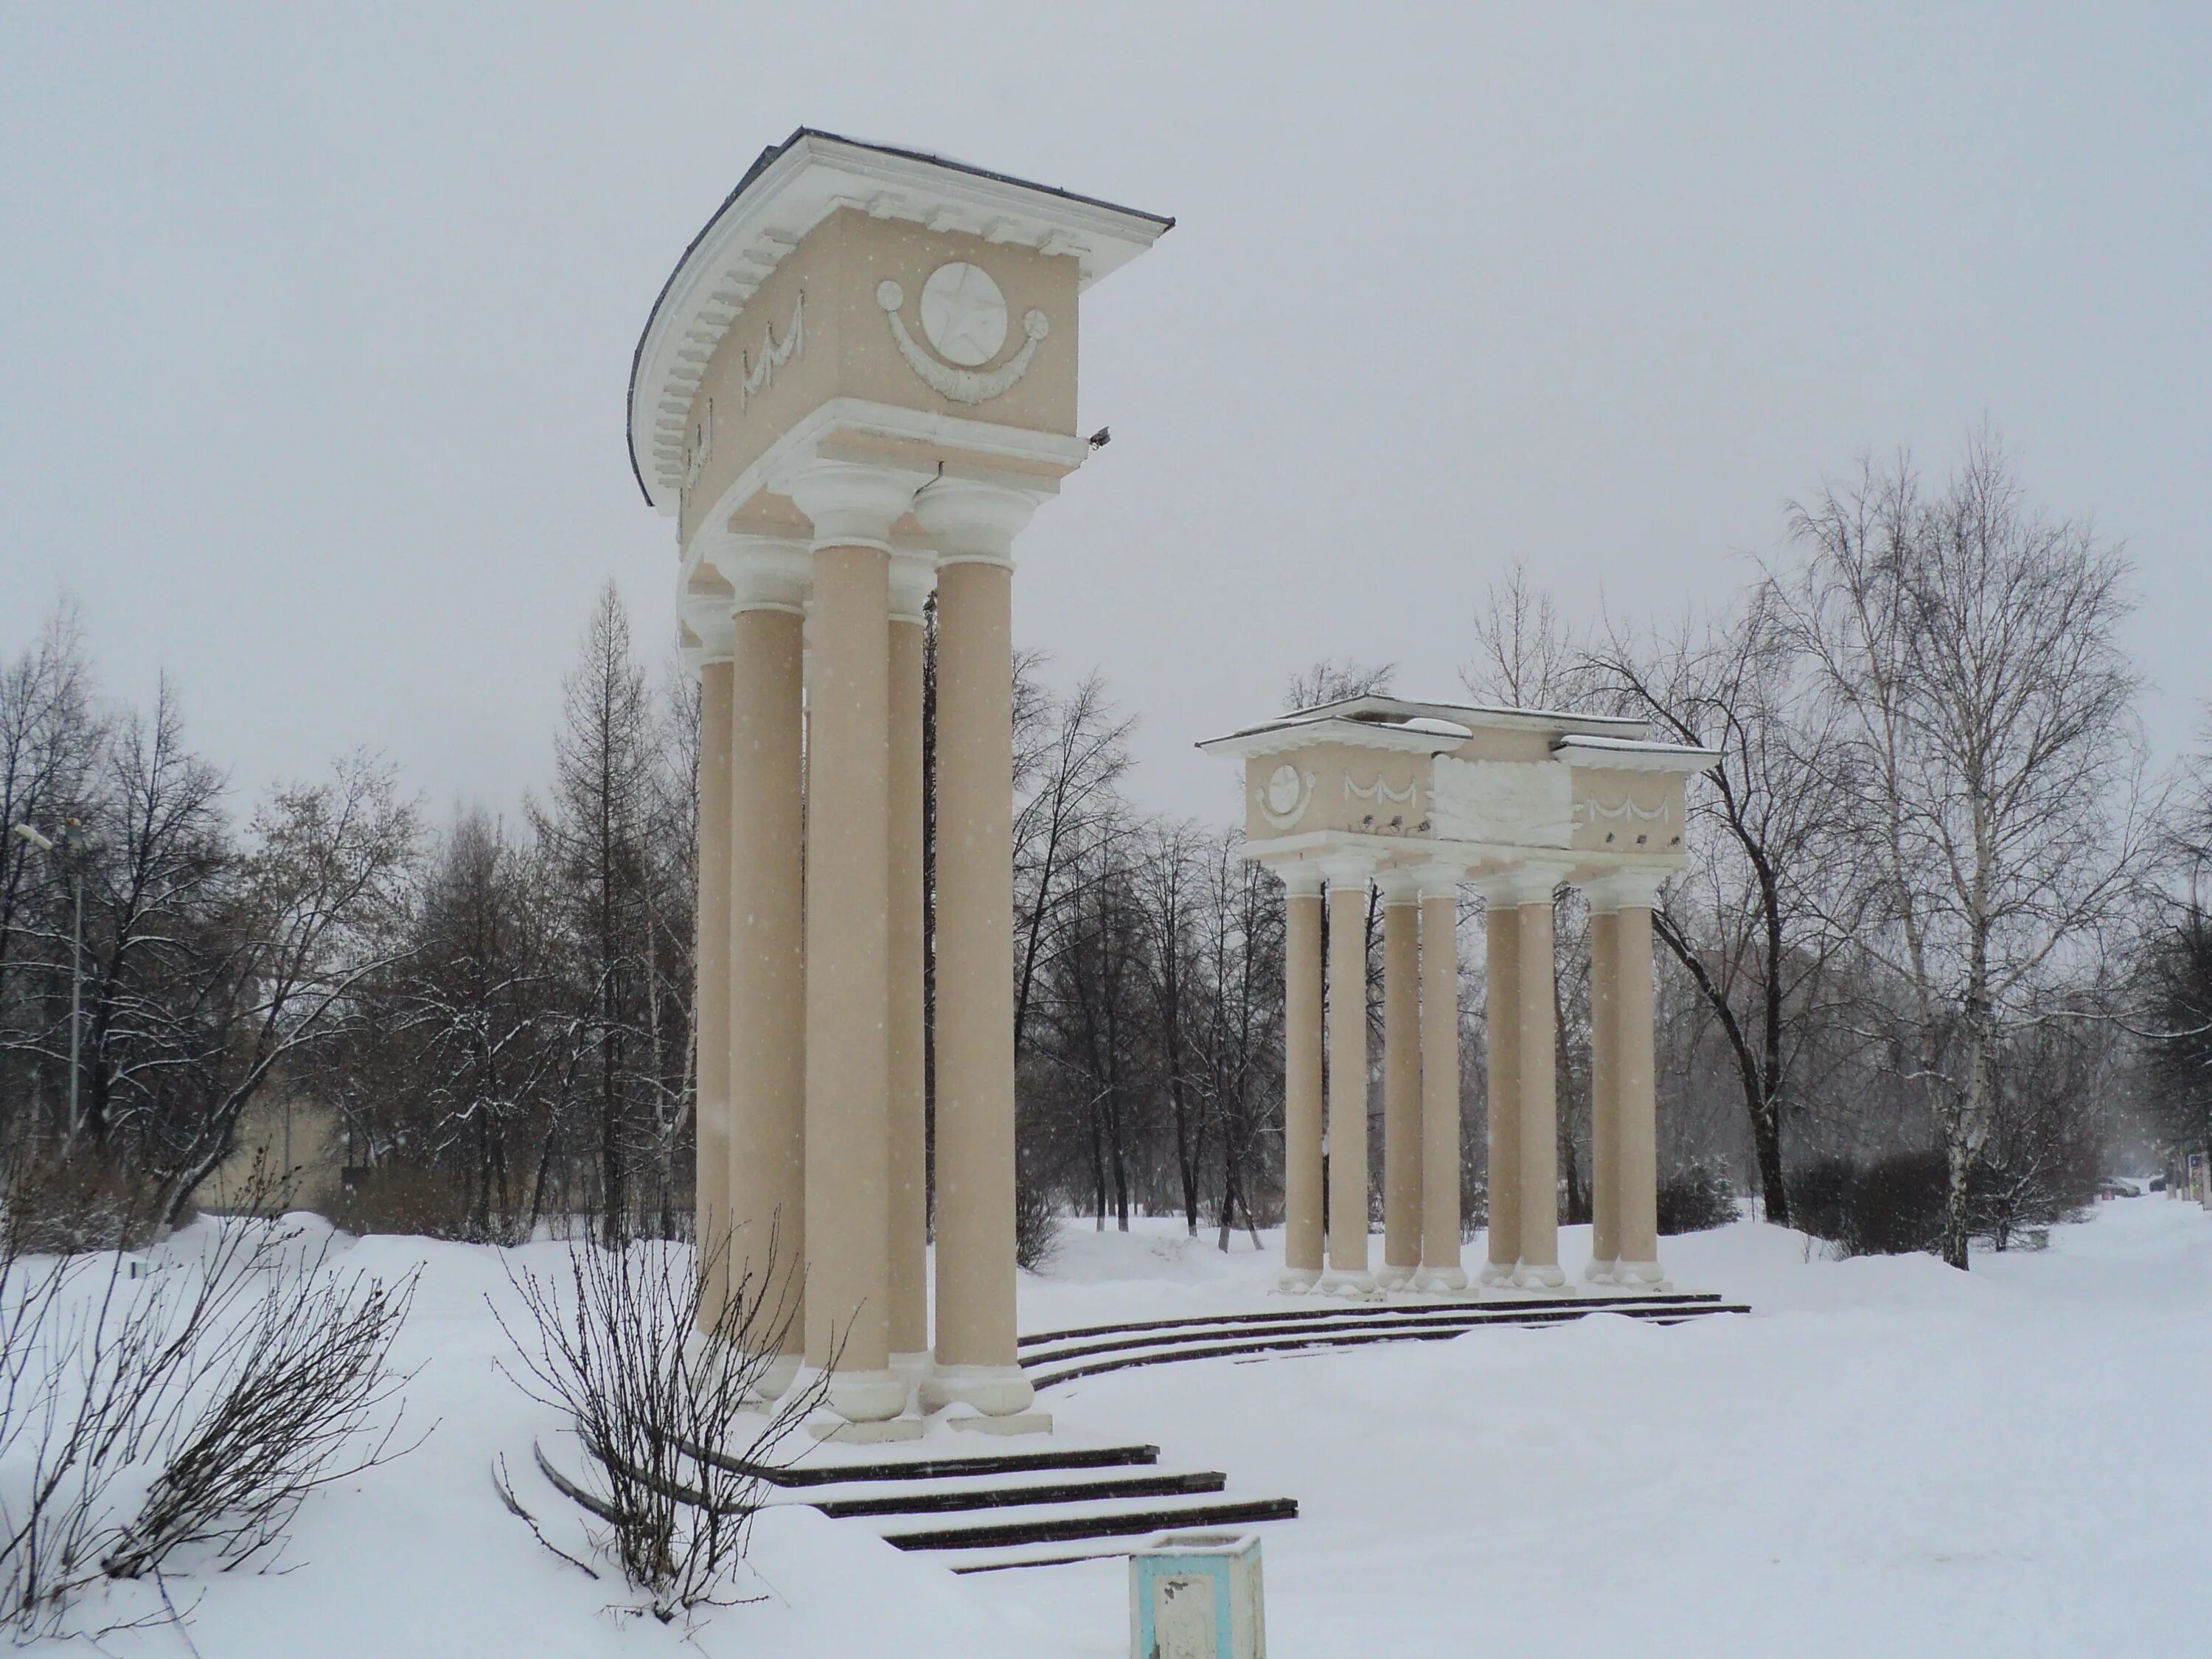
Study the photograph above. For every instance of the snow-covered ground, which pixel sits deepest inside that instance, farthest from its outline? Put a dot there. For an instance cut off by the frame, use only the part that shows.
(1886, 1458)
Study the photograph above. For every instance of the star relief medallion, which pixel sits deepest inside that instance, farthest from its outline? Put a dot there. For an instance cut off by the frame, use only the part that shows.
(964, 314)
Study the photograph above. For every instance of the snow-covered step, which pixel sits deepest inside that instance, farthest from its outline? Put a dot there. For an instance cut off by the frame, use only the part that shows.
(825, 1468)
(1062, 1523)
(1388, 1309)
(979, 1495)
(1049, 1368)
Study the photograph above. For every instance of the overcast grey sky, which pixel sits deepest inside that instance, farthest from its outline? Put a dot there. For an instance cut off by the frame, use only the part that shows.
(314, 323)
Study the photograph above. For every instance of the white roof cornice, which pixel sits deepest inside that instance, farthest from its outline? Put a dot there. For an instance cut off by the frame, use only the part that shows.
(1625, 754)
(790, 190)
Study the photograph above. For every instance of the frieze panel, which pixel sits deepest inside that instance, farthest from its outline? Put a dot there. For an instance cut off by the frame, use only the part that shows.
(1509, 803)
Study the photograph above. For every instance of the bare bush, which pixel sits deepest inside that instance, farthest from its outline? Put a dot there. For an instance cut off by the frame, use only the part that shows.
(665, 1392)
(149, 1402)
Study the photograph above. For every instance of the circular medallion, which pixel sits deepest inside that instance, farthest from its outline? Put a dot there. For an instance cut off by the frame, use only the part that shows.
(1284, 791)
(964, 314)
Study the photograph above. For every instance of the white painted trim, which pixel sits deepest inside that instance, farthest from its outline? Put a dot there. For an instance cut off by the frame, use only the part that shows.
(1277, 737)
(1622, 755)
(816, 435)
(1398, 884)
(1630, 888)
(1301, 877)
(758, 228)
(1347, 870)
(1532, 882)
(1440, 878)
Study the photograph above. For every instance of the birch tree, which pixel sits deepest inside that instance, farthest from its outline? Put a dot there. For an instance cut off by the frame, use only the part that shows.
(1988, 762)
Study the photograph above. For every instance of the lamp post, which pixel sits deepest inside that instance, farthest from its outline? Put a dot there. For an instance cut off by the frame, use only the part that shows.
(68, 849)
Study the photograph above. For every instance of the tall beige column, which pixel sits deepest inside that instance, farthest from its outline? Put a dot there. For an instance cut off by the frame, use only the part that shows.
(1604, 1107)
(710, 625)
(973, 525)
(1439, 1020)
(1635, 892)
(1539, 1094)
(1501, 998)
(1347, 879)
(766, 1001)
(911, 577)
(853, 508)
(1401, 1077)
(1302, 1078)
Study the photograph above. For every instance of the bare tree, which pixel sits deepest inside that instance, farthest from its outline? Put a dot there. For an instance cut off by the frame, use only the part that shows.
(1329, 681)
(1744, 918)
(1988, 758)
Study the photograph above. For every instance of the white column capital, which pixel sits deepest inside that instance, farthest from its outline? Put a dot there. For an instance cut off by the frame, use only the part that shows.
(914, 573)
(1344, 870)
(764, 572)
(973, 520)
(1301, 877)
(1400, 884)
(1520, 884)
(1440, 878)
(852, 503)
(1625, 889)
(710, 630)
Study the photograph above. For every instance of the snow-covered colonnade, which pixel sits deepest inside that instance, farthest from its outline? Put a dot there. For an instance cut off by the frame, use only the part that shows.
(856, 387)
(1412, 800)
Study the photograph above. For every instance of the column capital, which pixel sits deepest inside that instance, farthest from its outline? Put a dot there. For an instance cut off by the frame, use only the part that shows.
(710, 632)
(914, 573)
(1520, 884)
(852, 503)
(1440, 878)
(1301, 877)
(974, 520)
(764, 572)
(1400, 884)
(1624, 890)
(1342, 870)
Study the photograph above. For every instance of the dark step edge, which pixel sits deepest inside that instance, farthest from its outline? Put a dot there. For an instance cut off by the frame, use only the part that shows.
(995, 1497)
(1371, 1310)
(1095, 1525)
(1381, 1330)
(1017, 1564)
(940, 1468)
(1261, 1346)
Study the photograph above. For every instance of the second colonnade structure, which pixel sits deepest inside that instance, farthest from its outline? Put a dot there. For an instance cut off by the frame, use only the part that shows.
(854, 393)
(1407, 801)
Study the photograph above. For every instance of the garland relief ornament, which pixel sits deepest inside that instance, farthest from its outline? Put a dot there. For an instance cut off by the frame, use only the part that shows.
(963, 318)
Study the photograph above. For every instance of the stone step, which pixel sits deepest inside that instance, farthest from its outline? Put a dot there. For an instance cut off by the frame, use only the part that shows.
(973, 1495)
(1322, 1308)
(1198, 1344)
(1050, 1527)
(880, 1469)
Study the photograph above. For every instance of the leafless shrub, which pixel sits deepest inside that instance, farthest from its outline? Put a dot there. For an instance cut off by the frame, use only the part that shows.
(664, 1390)
(297, 1401)
(193, 1394)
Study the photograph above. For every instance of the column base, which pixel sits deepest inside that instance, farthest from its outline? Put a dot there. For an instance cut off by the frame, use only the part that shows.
(1441, 1280)
(1640, 1276)
(994, 1390)
(881, 1432)
(1297, 1281)
(1353, 1284)
(1392, 1277)
(867, 1396)
(1019, 1423)
(1537, 1276)
(1601, 1272)
(774, 1381)
(1498, 1274)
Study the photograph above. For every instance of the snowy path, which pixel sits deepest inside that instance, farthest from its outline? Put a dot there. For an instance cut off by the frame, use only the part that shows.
(1886, 1458)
